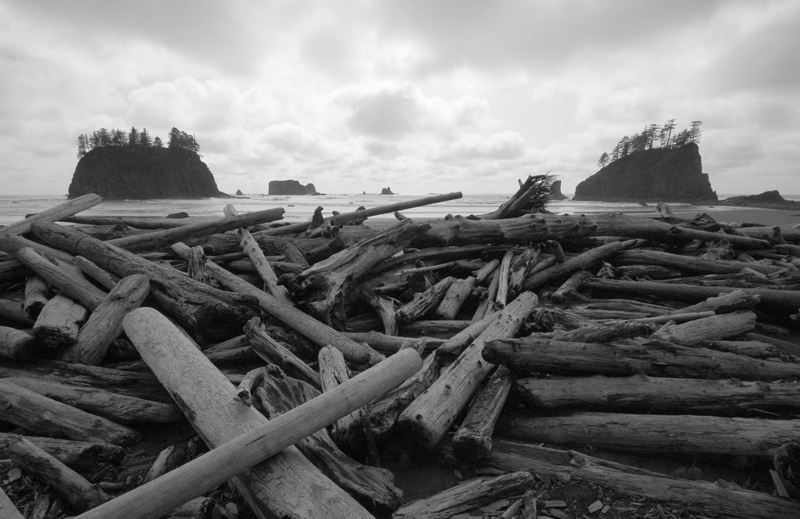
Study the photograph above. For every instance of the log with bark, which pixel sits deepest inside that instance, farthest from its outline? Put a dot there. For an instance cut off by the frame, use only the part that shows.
(629, 357)
(641, 393)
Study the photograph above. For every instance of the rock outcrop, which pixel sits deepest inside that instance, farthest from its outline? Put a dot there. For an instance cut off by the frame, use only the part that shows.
(239, 192)
(766, 200)
(291, 187)
(123, 172)
(669, 175)
(555, 191)
(386, 191)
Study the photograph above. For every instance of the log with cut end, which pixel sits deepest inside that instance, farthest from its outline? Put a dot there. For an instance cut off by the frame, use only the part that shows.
(59, 322)
(210, 314)
(700, 497)
(473, 440)
(629, 357)
(568, 291)
(715, 327)
(70, 283)
(423, 302)
(220, 464)
(428, 418)
(641, 393)
(315, 330)
(17, 344)
(646, 433)
(455, 298)
(467, 496)
(36, 295)
(46, 416)
(79, 455)
(73, 487)
(105, 323)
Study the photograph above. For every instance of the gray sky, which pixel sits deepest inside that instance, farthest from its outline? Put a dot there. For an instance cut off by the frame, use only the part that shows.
(423, 96)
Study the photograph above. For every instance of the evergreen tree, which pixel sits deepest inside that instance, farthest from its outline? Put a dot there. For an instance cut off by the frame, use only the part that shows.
(667, 130)
(603, 160)
(695, 131)
(158, 143)
(103, 137)
(118, 138)
(133, 137)
(83, 143)
(144, 139)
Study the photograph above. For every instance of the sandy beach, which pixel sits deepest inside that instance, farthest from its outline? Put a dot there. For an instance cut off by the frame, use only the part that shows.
(740, 215)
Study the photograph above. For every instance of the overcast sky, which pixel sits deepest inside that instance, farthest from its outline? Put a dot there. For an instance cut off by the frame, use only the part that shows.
(423, 96)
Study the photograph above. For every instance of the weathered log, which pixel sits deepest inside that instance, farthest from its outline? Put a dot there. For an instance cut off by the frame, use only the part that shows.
(348, 431)
(786, 299)
(198, 508)
(211, 469)
(423, 302)
(69, 484)
(7, 508)
(201, 392)
(382, 414)
(678, 318)
(579, 262)
(456, 343)
(521, 266)
(392, 344)
(12, 244)
(467, 496)
(427, 419)
(145, 222)
(106, 279)
(646, 272)
(318, 332)
(629, 357)
(751, 348)
(700, 497)
(433, 328)
(165, 238)
(256, 255)
(79, 455)
(641, 393)
(13, 270)
(688, 263)
(473, 440)
(785, 346)
(17, 344)
(502, 280)
(551, 318)
(43, 415)
(325, 286)
(440, 254)
(373, 487)
(385, 308)
(488, 305)
(59, 322)
(36, 295)
(364, 213)
(725, 302)
(604, 332)
(715, 327)
(211, 314)
(455, 298)
(273, 351)
(105, 323)
(118, 408)
(486, 270)
(684, 434)
(141, 385)
(75, 287)
(567, 293)
(69, 208)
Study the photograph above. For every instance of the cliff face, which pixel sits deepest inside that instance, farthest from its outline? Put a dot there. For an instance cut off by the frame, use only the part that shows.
(658, 175)
(290, 187)
(122, 172)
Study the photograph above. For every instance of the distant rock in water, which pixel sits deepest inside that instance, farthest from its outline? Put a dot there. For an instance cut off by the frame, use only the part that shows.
(555, 191)
(239, 192)
(291, 187)
(386, 191)
(120, 172)
(671, 175)
(767, 200)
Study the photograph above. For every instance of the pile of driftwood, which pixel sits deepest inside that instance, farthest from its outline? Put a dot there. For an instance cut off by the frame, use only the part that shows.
(307, 355)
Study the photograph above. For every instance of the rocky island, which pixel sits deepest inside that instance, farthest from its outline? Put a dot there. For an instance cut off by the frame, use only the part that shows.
(121, 165)
(653, 175)
(766, 200)
(291, 187)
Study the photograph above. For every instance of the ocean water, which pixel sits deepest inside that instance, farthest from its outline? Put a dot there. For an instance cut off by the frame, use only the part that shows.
(300, 208)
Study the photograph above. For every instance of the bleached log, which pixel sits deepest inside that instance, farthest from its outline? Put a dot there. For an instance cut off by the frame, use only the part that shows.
(69, 484)
(68, 208)
(59, 322)
(641, 393)
(684, 434)
(118, 408)
(467, 496)
(231, 458)
(700, 497)
(455, 298)
(711, 328)
(427, 419)
(58, 274)
(168, 459)
(629, 357)
(347, 431)
(105, 323)
(17, 344)
(473, 440)
(43, 415)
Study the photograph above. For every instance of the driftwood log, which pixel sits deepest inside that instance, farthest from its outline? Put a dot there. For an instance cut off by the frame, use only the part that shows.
(473, 440)
(68, 208)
